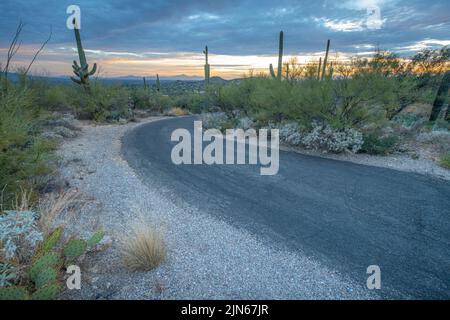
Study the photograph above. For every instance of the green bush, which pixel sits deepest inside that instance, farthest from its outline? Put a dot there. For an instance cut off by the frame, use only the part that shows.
(103, 102)
(54, 98)
(24, 157)
(378, 145)
(445, 161)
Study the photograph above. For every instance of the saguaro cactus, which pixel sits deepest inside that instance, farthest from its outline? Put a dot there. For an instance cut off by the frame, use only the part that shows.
(280, 59)
(441, 98)
(207, 67)
(158, 83)
(81, 70)
(324, 67)
(145, 83)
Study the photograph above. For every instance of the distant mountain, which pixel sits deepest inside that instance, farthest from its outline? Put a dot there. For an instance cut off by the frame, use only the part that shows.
(130, 79)
(181, 77)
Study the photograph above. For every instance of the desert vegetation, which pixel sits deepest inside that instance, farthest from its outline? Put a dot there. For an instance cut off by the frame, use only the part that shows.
(375, 105)
(143, 249)
(38, 246)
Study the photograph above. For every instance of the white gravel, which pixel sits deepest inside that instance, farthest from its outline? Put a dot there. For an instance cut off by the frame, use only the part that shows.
(207, 258)
(401, 162)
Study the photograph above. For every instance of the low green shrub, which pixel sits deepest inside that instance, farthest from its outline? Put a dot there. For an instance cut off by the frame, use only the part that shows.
(376, 144)
(445, 161)
(103, 103)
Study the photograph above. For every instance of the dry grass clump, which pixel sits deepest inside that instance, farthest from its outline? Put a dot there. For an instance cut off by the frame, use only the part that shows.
(177, 112)
(59, 208)
(143, 249)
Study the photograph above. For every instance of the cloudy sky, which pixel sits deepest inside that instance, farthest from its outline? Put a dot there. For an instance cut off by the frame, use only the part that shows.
(139, 37)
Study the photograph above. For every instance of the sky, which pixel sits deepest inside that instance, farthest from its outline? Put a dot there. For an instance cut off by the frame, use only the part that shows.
(143, 38)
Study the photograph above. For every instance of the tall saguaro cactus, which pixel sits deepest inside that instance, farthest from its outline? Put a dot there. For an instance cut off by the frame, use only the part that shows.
(280, 59)
(81, 70)
(207, 67)
(158, 83)
(324, 67)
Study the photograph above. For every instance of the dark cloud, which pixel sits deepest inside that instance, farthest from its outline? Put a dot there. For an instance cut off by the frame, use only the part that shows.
(227, 26)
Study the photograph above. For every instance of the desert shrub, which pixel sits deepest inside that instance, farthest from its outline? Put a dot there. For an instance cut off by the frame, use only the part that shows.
(143, 249)
(214, 120)
(177, 112)
(245, 123)
(378, 144)
(8, 274)
(439, 139)
(407, 120)
(150, 100)
(54, 98)
(24, 156)
(445, 160)
(324, 137)
(18, 233)
(290, 132)
(196, 103)
(34, 251)
(103, 102)
(141, 98)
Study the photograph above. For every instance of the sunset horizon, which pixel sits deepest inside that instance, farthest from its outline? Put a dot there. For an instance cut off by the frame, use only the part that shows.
(159, 41)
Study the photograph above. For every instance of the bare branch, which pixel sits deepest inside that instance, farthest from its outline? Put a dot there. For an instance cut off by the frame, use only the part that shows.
(39, 51)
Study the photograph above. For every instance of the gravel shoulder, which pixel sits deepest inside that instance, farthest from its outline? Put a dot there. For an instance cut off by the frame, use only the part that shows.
(207, 258)
(400, 162)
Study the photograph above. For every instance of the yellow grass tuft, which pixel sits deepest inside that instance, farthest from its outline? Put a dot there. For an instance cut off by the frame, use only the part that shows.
(143, 249)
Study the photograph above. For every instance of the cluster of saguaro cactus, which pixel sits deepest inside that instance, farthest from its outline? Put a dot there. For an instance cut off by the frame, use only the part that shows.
(207, 66)
(280, 59)
(45, 270)
(322, 70)
(81, 70)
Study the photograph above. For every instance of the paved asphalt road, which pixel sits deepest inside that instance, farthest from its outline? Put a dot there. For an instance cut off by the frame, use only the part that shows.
(345, 215)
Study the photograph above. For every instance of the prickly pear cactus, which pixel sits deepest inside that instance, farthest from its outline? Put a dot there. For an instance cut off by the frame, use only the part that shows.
(48, 260)
(74, 248)
(51, 241)
(96, 238)
(13, 293)
(47, 292)
(46, 276)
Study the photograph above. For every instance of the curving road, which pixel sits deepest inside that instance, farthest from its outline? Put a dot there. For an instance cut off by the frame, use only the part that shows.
(347, 216)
